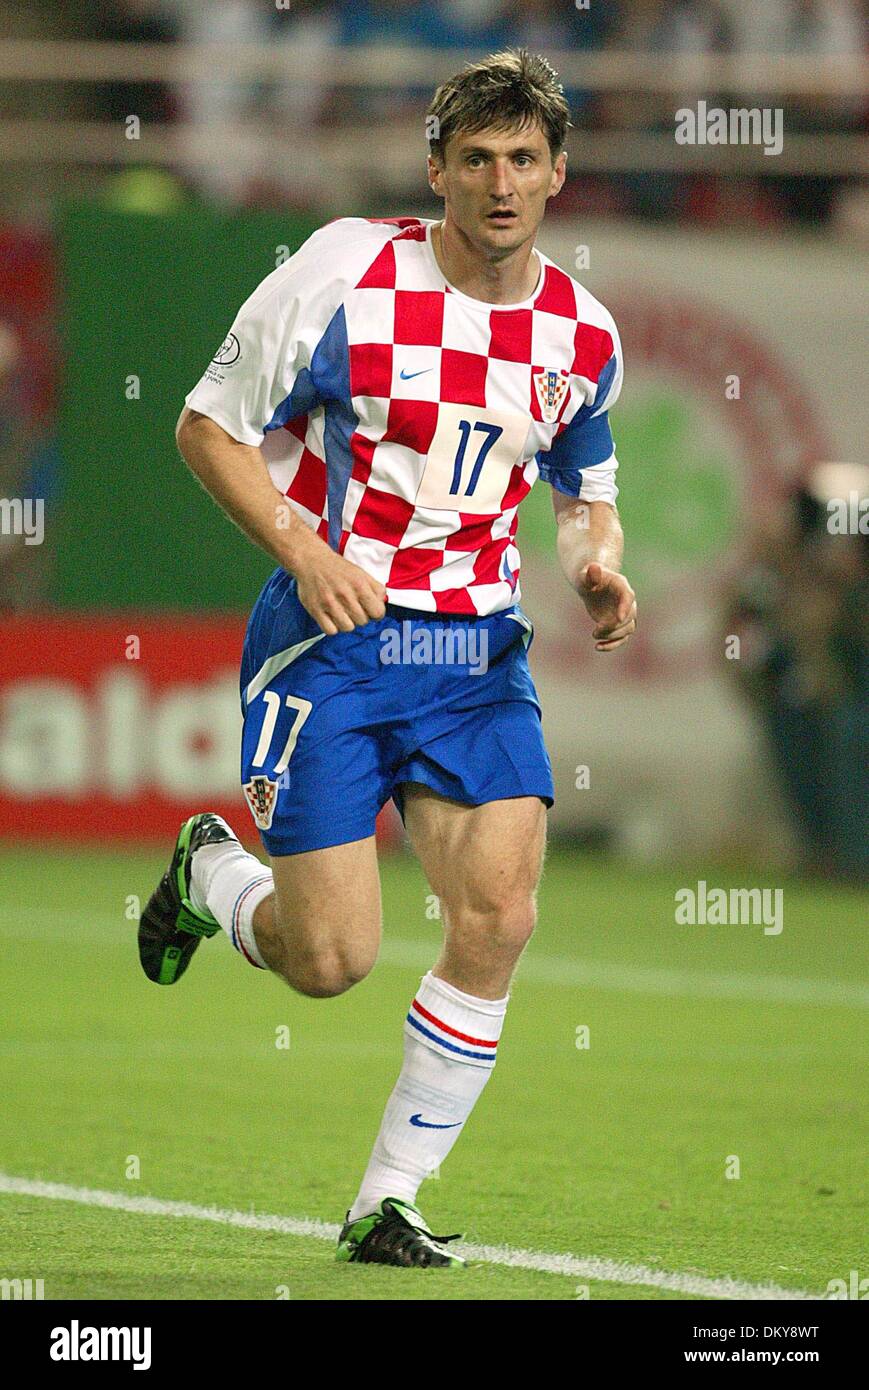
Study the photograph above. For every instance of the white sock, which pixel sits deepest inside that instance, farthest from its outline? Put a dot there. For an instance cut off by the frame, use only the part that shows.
(450, 1040)
(231, 884)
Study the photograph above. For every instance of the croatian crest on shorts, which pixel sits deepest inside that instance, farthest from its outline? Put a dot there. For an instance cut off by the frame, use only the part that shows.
(261, 793)
(551, 390)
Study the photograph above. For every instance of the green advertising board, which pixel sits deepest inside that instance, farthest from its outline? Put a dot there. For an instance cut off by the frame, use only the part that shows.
(147, 298)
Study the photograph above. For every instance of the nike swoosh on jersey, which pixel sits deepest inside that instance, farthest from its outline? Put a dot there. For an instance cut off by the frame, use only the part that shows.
(406, 376)
(424, 1124)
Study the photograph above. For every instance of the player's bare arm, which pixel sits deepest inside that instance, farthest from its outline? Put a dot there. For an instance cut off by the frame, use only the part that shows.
(338, 594)
(590, 547)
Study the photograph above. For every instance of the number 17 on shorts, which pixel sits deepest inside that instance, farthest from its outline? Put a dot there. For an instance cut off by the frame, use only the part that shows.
(270, 763)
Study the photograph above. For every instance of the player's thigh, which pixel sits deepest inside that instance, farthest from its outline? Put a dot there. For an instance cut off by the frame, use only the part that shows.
(480, 860)
(327, 901)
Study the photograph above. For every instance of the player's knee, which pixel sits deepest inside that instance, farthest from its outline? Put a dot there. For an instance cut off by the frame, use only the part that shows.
(323, 974)
(319, 957)
(504, 921)
(514, 923)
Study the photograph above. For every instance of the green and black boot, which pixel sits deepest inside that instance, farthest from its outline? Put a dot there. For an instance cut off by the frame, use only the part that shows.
(395, 1234)
(170, 928)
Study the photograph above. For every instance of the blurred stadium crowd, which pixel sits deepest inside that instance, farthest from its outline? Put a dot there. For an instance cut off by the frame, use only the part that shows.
(319, 32)
(800, 606)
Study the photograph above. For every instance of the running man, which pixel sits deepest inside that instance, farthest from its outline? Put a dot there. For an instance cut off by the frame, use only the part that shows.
(380, 407)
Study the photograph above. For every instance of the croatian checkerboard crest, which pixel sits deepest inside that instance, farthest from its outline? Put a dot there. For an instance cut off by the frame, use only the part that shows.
(551, 387)
(261, 793)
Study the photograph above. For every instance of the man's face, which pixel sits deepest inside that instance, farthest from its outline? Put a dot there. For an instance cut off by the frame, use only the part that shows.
(495, 186)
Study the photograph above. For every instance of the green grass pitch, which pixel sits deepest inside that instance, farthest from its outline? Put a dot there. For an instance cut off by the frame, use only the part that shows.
(705, 1044)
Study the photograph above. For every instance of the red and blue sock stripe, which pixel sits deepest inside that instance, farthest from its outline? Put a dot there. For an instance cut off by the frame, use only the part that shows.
(459, 1044)
(236, 911)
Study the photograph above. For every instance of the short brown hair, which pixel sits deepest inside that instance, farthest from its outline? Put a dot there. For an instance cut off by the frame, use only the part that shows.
(507, 90)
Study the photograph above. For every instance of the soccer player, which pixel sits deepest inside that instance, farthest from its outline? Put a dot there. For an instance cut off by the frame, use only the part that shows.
(381, 406)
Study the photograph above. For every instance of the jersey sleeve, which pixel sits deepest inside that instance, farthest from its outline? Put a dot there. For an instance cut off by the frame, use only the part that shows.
(261, 376)
(581, 461)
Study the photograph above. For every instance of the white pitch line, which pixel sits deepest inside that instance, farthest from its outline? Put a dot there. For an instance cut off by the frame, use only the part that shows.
(78, 927)
(572, 972)
(571, 1266)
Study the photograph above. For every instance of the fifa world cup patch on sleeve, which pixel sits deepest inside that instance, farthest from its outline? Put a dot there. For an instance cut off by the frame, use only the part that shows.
(551, 387)
(261, 794)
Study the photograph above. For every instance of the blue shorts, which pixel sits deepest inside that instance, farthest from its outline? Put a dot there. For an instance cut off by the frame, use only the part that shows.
(333, 726)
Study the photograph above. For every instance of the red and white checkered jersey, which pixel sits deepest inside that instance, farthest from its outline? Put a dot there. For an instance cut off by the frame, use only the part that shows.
(405, 421)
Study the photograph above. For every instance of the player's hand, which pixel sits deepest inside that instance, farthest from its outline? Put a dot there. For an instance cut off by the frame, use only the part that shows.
(339, 595)
(610, 600)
